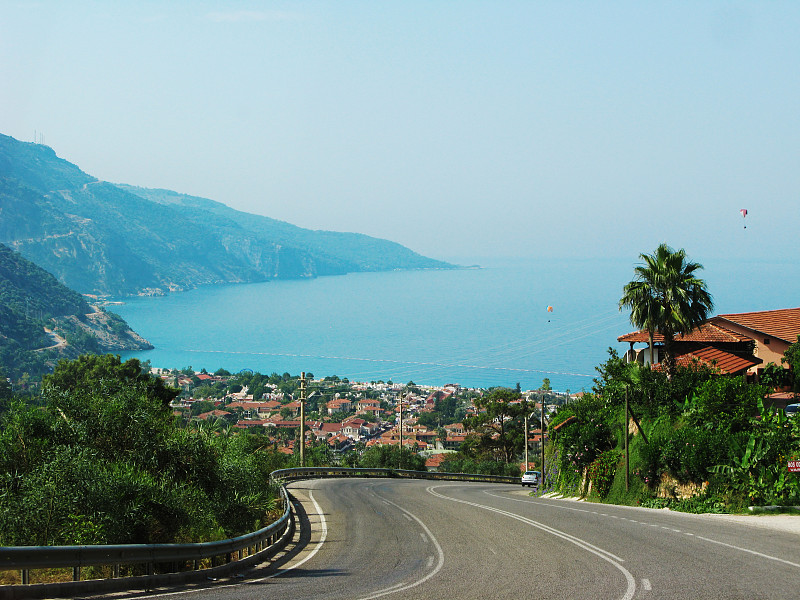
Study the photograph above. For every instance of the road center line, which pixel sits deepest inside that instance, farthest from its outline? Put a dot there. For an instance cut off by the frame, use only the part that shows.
(436, 569)
(604, 554)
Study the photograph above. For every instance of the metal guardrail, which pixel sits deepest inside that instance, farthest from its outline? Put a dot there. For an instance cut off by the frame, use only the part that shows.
(251, 548)
(243, 551)
(321, 472)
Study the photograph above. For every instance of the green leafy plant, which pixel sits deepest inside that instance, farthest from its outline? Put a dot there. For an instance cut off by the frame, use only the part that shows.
(601, 472)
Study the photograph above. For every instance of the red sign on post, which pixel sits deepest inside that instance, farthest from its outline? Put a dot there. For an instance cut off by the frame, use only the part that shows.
(794, 466)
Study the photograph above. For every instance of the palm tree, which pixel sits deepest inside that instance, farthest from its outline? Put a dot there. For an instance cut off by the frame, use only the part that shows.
(639, 296)
(666, 297)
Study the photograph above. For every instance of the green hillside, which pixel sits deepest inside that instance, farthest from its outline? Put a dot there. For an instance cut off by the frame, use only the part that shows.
(41, 320)
(105, 239)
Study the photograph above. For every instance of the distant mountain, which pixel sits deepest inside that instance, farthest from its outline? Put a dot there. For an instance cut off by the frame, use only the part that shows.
(106, 239)
(41, 320)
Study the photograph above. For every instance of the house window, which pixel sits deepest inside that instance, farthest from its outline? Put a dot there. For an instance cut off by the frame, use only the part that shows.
(766, 341)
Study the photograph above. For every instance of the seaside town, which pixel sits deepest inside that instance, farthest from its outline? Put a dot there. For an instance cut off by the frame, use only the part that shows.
(341, 416)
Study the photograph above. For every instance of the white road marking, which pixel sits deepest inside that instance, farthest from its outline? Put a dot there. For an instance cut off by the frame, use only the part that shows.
(699, 537)
(767, 556)
(402, 587)
(604, 554)
(323, 535)
(646, 585)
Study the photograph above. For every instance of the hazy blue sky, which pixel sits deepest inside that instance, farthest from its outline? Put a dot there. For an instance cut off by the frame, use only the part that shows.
(455, 128)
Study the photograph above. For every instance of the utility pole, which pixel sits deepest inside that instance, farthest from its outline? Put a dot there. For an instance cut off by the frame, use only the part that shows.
(400, 455)
(303, 419)
(541, 441)
(625, 431)
(526, 441)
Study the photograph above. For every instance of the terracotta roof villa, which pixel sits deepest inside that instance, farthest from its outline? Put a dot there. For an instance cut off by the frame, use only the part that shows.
(737, 343)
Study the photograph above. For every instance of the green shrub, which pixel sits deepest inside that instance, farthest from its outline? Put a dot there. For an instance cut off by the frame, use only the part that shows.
(690, 453)
(601, 472)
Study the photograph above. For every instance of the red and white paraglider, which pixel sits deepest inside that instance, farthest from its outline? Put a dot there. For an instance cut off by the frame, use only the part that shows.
(744, 214)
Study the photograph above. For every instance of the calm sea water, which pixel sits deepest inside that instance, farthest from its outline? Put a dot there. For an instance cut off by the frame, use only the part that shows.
(476, 327)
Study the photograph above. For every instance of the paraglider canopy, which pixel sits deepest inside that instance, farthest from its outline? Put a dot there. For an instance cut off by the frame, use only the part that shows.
(744, 214)
(549, 309)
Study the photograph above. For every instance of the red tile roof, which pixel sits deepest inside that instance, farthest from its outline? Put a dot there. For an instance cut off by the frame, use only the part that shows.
(213, 413)
(726, 362)
(707, 332)
(435, 461)
(783, 324)
(331, 427)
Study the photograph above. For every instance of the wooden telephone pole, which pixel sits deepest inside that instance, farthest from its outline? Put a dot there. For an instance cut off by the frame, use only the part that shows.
(400, 455)
(303, 419)
(541, 441)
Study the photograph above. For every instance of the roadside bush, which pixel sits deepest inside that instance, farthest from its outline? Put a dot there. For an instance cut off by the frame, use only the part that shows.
(460, 464)
(703, 503)
(104, 462)
(646, 461)
(391, 457)
(583, 432)
(601, 472)
(755, 472)
(724, 404)
(690, 453)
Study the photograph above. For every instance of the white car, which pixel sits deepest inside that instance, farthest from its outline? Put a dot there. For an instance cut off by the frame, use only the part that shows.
(531, 478)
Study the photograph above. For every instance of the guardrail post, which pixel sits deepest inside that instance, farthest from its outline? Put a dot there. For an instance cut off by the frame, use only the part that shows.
(196, 564)
(26, 577)
(76, 573)
(115, 573)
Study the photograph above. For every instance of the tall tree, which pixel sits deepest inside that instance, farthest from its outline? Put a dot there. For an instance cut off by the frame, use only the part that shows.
(667, 297)
(498, 424)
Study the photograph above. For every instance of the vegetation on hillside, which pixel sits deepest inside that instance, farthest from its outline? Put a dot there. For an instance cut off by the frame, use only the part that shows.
(103, 462)
(37, 312)
(697, 440)
(707, 442)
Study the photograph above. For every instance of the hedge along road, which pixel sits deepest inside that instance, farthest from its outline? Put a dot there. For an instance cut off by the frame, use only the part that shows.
(400, 539)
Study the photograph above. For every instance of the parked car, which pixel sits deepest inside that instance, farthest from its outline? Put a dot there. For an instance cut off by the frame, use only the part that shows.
(531, 478)
(791, 410)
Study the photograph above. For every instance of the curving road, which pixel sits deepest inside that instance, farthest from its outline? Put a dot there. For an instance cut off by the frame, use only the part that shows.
(403, 539)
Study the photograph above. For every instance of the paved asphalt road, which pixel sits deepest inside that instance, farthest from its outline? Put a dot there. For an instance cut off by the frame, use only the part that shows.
(398, 539)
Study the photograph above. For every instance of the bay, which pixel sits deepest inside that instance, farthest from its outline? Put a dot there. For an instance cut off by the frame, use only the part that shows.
(476, 327)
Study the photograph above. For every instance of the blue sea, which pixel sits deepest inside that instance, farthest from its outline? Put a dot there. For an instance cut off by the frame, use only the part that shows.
(478, 327)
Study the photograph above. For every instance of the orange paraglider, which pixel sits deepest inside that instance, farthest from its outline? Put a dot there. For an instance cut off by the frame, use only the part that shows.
(549, 309)
(744, 214)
